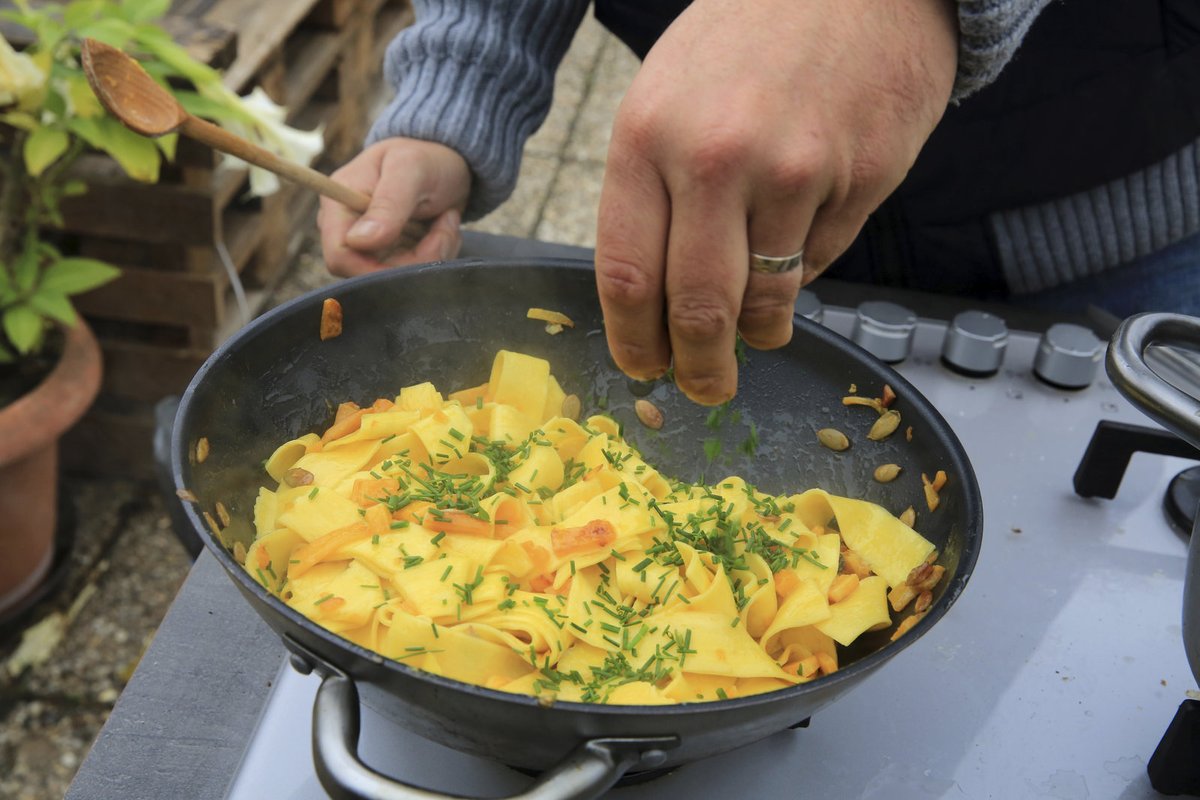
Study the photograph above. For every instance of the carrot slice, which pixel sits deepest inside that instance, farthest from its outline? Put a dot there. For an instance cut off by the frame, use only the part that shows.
(369, 491)
(597, 534)
(318, 550)
(346, 425)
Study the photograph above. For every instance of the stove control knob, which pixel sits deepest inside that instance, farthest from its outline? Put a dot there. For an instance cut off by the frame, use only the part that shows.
(1067, 356)
(885, 330)
(809, 306)
(975, 344)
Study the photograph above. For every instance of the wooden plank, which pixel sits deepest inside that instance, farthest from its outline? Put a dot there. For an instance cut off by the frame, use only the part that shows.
(160, 214)
(263, 26)
(309, 57)
(144, 372)
(331, 13)
(149, 295)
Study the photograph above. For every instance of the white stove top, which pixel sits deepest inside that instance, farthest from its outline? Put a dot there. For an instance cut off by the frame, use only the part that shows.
(1054, 675)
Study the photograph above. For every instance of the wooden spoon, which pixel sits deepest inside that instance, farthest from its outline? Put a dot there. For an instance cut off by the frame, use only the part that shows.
(143, 106)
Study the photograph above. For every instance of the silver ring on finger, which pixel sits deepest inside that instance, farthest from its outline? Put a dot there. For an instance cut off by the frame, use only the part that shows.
(774, 264)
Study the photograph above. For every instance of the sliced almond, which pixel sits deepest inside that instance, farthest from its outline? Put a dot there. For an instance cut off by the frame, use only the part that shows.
(886, 473)
(648, 414)
(924, 601)
(223, 514)
(571, 407)
(187, 496)
(888, 397)
(833, 439)
(298, 477)
(908, 434)
(202, 449)
(885, 426)
(239, 552)
(909, 516)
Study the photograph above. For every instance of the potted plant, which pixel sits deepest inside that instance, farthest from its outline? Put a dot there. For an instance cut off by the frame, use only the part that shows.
(49, 361)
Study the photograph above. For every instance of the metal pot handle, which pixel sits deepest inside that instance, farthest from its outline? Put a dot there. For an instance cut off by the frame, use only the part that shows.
(589, 771)
(1126, 366)
(1175, 410)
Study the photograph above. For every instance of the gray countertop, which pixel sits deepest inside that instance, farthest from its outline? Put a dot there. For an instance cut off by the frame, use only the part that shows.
(180, 727)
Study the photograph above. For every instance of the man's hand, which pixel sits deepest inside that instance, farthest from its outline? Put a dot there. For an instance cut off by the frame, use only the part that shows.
(406, 179)
(769, 127)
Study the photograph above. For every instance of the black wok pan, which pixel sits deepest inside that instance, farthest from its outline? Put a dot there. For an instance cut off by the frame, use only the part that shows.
(444, 322)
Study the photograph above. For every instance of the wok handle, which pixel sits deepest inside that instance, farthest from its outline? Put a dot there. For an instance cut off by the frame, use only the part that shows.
(586, 773)
(1126, 365)
(1175, 410)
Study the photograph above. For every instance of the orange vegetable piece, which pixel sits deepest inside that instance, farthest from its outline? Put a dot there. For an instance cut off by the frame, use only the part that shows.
(595, 535)
(331, 319)
(345, 425)
(785, 582)
(369, 491)
(540, 583)
(318, 550)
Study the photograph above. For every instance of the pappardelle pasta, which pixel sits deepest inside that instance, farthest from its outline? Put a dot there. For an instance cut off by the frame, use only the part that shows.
(485, 537)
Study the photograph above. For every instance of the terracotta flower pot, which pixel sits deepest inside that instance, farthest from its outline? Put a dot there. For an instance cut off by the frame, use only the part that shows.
(29, 432)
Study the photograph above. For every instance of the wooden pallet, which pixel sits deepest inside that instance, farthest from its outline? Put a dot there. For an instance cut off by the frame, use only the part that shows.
(173, 303)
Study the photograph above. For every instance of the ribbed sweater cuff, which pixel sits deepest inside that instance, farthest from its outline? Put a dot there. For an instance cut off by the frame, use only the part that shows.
(990, 31)
(477, 77)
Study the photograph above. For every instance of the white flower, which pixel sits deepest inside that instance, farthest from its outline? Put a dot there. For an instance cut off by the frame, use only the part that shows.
(21, 81)
(270, 130)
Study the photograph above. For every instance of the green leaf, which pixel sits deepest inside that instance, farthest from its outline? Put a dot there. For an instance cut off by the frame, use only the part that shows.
(109, 30)
(137, 155)
(24, 328)
(20, 120)
(54, 305)
(81, 12)
(137, 11)
(162, 46)
(75, 275)
(25, 269)
(167, 144)
(223, 111)
(43, 147)
(74, 188)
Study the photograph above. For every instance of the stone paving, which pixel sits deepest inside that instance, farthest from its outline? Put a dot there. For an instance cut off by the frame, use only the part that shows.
(127, 564)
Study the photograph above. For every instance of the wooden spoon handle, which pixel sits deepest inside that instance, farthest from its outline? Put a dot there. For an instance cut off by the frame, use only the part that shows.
(221, 139)
(226, 142)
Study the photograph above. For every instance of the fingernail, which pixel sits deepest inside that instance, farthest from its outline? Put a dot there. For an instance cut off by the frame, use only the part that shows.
(365, 229)
(451, 220)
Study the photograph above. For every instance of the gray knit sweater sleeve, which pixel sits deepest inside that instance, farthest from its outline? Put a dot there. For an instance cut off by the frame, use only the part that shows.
(989, 33)
(478, 75)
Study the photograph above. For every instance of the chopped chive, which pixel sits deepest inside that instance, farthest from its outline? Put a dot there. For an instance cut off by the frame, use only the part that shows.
(323, 599)
(438, 538)
(313, 493)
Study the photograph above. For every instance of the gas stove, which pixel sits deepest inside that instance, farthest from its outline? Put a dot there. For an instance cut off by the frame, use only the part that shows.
(1054, 675)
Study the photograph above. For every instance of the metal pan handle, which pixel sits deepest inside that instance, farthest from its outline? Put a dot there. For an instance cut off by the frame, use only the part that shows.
(589, 771)
(1126, 365)
(1176, 411)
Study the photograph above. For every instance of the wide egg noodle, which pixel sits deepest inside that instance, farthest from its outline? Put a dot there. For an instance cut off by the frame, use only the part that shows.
(483, 536)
